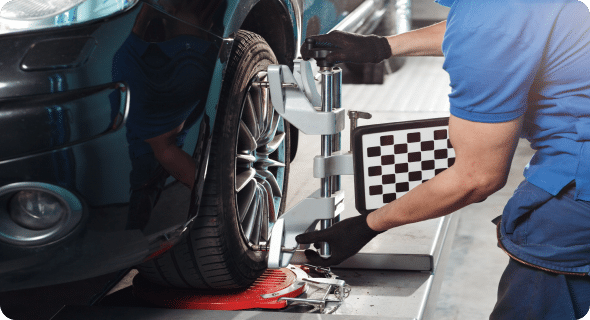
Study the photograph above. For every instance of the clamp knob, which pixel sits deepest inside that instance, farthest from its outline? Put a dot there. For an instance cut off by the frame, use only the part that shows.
(354, 116)
(319, 54)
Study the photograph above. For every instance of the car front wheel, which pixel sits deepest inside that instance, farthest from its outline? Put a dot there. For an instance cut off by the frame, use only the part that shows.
(246, 184)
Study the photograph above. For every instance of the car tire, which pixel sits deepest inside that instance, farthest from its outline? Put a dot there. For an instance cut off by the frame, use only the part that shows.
(246, 185)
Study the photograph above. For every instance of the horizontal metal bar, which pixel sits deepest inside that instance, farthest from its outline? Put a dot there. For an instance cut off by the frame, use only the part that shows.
(315, 301)
(265, 84)
(378, 261)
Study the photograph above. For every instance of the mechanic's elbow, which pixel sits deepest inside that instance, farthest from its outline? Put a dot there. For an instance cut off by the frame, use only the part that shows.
(488, 185)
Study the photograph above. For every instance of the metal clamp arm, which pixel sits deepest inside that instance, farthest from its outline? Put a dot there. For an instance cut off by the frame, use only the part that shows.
(292, 103)
(303, 216)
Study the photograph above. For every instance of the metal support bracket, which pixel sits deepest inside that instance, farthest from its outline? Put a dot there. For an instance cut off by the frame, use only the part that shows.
(296, 103)
(299, 219)
(295, 97)
(334, 286)
(339, 163)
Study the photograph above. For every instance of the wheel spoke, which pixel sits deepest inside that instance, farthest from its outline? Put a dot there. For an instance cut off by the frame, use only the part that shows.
(276, 189)
(246, 199)
(268, 110)
(272, 212)
(246, 140)
(271, 130)
(245, 158)
(259, 175)
(251, 215)
(276, 142)
(244, 178)
(264, 217)
(249, 116)
(253, 109)
(257, 221)
(256, 100)
(271, 163)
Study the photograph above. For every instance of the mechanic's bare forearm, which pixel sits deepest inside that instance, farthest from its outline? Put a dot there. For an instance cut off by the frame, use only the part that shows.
(484, 152)
(421, 42)
(445, 193)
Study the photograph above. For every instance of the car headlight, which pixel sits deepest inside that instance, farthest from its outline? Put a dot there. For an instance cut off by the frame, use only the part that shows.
(36, 210)
(24, 15)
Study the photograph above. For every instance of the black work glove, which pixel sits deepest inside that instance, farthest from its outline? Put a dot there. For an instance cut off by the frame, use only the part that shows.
(351, 47)
(346, 238)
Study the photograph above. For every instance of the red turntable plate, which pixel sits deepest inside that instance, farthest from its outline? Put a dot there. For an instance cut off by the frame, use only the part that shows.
(264, 293)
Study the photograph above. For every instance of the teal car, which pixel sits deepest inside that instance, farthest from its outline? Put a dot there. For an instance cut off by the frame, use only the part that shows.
(132, 135)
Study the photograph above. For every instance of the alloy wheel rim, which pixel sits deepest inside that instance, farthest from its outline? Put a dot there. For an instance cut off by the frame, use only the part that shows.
(260, 164)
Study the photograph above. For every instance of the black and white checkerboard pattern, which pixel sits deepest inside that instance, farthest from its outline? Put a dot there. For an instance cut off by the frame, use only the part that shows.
(394, 162)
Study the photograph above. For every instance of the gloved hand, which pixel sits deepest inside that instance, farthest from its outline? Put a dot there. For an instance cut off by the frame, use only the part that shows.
(351, 47)
(346, 238)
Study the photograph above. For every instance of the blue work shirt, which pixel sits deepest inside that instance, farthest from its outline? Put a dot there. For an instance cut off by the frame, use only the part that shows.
(509, 58)
(513, 58)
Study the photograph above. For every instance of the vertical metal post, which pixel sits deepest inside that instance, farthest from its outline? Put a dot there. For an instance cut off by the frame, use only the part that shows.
(326, 183)
(327, 103)
(403, 16)
(337, 138)
(336, 104)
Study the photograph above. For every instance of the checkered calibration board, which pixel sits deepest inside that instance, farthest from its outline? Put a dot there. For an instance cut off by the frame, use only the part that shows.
(391, 159)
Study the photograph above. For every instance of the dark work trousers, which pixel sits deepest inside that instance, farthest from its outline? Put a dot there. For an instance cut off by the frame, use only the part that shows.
(530, 293)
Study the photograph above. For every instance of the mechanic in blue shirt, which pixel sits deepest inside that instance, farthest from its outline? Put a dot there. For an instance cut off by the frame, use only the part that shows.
(517, 68)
